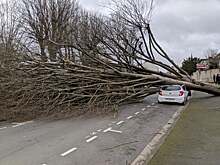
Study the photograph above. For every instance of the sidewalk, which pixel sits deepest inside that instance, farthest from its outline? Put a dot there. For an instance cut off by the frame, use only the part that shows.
(195, 140)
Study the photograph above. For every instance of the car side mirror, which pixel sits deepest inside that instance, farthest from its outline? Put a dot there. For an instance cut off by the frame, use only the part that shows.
(190, 93)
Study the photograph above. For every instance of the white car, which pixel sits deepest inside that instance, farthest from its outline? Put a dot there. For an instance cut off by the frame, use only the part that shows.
(173, 94)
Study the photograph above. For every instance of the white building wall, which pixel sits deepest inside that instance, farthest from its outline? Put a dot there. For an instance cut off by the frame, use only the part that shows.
(205, 76)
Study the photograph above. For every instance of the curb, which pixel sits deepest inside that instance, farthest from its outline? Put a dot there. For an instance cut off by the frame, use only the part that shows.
(150, 150)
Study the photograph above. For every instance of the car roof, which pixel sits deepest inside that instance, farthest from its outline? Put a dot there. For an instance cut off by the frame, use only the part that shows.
(171, 85)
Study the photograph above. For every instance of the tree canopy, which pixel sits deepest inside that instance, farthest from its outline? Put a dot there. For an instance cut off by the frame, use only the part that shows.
(189, 64)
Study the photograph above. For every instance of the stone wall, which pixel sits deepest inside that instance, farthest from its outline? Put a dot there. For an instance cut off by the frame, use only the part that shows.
(205, 76)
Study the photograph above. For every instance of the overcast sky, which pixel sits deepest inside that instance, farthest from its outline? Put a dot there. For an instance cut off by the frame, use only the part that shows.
(181, 26)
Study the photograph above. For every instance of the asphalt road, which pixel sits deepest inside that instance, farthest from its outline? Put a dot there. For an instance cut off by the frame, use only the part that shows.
(103, 140)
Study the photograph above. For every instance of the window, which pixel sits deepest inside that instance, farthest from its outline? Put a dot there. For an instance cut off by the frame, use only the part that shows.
(184, 87)
(171, 88)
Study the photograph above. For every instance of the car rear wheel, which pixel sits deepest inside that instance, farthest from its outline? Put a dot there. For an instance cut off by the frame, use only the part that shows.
(184, 102)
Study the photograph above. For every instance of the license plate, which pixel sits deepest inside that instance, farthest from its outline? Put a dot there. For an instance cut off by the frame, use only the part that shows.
(169, 99)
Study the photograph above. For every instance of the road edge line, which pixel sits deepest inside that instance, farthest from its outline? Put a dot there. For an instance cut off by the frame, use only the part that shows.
(153, 146)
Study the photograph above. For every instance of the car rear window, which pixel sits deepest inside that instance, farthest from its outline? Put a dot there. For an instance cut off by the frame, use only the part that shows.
(171, 88)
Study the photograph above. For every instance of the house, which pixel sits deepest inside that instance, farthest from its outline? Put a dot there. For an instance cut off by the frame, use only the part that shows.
(207, 68)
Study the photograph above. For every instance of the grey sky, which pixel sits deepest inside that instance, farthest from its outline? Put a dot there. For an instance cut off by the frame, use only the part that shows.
(181, 26)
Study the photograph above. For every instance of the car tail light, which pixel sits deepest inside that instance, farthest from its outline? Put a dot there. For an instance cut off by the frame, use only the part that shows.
(181, 93)
(160, 93)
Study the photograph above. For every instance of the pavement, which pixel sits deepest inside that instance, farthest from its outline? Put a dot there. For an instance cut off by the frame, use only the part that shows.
(195, 140)
(101, 140)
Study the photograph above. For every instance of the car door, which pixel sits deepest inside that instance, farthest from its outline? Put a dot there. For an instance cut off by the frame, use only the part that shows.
(186, 93)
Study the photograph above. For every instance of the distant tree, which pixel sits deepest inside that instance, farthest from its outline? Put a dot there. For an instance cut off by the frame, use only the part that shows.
(213, 58)
(189, 64)
(10, 35)
(45, 20)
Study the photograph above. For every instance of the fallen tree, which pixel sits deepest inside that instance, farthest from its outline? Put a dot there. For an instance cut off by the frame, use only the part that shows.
(117, 54)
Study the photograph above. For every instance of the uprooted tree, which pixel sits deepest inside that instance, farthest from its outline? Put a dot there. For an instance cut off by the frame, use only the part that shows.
(93, 61)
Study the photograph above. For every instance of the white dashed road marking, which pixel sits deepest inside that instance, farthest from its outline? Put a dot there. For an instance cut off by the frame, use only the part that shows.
(120, 122)
(148, 106)
(21, 124)
(108, 129)
(68, 152)
(91, 139)
(111, 130)
(3, 128)
(129, 117)
(136, 113)
(115, 131)
(143, 109)
(94, 133)
(18, 125)
(99, 130)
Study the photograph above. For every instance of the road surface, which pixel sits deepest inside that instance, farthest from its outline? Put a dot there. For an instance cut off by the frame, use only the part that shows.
(103, 140)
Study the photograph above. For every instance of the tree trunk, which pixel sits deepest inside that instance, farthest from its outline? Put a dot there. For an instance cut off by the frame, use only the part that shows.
(198, 86)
